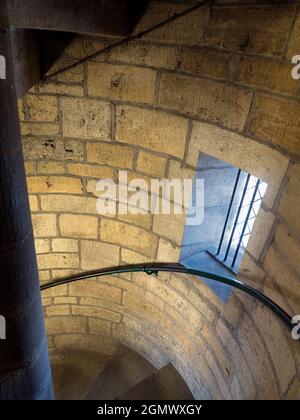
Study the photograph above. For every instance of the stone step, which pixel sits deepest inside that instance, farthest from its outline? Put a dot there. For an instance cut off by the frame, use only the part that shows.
(123, 371)
(164, 384)
(74, 371)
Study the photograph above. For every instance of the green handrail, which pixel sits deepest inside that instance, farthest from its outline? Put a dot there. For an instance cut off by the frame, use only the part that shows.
(155, 268)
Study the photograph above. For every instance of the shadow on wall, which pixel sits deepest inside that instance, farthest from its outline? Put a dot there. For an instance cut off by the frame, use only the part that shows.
(211, 245)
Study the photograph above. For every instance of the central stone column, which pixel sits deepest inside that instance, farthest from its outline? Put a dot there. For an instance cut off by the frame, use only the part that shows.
(24, 363)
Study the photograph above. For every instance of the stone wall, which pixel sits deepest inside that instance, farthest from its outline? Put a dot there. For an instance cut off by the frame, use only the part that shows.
(218, 82)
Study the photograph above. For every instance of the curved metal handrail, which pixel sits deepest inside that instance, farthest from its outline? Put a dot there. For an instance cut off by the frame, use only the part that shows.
(155, 268)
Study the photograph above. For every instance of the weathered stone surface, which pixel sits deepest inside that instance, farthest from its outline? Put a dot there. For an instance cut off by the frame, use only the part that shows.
(50, 148)
(275, 341)
(267, 75)
(33, 203)
(64, 245)
(85, 118)
(137, 53)
(131, 257)
(50, 167)
(99, 326)
(98, 255)
(290, 202)
(206, 99)
(204, 62)
(85, 341)
(294, 42)
(153, 130)
(90, 171)
(285, 277)
(260, 232)
(167, 252)
(252, 347)
(65, 324)
(242, 152)
(96, 290)
(289, 246)
(39, 129)
(116, 155)
(251, 29)
(170, 226)
(70, 203)
(54, 184)
(41, 108)
(91, 311)
(57, 310)
(151, 164)
(58, 260)
(129, 236)
(122, 82)
(276, 121)
(186, 30)
(42, 246)
(44, 225)
(61, 89)
(78, 226)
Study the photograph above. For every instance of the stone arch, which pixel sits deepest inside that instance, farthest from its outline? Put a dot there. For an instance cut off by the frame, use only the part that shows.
(151, 108)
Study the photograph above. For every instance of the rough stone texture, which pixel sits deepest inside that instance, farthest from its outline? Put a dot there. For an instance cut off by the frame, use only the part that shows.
(211, 101)
(285, 277)
(96, 255)
(260, 233)
(167, 251)
(276, 121)
(250, 29)
(186, 30)
(121, 82)
(200, 102)
(77, 226)
(75, 204)
(90, 171)
(39, 129)
(129, 236)
(145, 54)
(58, 325)
(290, 201)
(294, 42)
(41, 108)
(153, 130)
(96, 290)
(170, 226)
(85, 118)
(110, 154)
(35, 148)
(54, 184)
(44, 225)
(151, 164)
(64, 245)
(58, 260)
(267, 75)
(289, 246)
(280, 352)
(262, 161)
(42, 246)
(204, 62)
(50, 168)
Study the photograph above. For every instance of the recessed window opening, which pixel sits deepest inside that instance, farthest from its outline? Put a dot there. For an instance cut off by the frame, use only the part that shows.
(235, 236)
(232, 199)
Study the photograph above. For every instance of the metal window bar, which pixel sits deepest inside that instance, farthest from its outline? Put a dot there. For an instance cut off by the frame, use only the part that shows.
(229, 211)
(245, 222)
(237, 218)
(239, 221)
